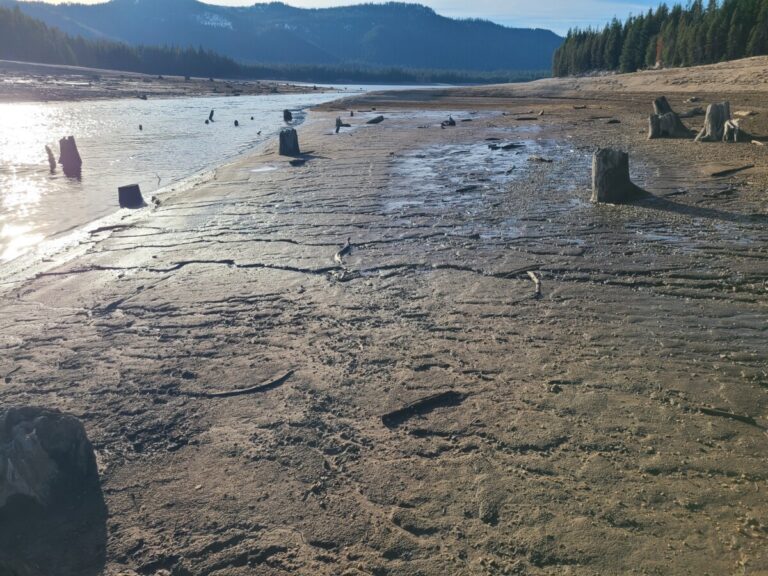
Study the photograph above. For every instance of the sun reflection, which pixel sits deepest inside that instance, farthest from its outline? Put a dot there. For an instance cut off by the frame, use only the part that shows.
(17, 239)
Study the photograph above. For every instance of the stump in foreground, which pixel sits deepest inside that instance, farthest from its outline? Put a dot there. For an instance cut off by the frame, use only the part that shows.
(289, 142)
(610, 178)
(69, 157)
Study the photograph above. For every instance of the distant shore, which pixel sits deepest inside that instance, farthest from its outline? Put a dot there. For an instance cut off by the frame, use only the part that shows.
(28, 82)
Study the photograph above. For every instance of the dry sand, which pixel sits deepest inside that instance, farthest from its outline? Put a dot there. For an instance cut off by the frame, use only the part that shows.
(577, 444)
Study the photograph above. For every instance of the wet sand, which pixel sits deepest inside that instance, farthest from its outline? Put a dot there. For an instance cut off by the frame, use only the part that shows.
(576, 441)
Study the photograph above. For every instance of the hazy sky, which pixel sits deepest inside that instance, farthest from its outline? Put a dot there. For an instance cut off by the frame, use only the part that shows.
(557, 15)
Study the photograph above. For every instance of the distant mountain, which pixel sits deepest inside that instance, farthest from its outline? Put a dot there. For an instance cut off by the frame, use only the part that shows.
(392, 34)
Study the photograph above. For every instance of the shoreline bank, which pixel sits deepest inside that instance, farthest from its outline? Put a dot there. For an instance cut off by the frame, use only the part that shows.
(575, 440)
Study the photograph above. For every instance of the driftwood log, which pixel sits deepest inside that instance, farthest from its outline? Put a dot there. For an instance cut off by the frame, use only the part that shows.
(289, 142)
(376, 120)
(69, 157)
(610, 178)
(665, 122)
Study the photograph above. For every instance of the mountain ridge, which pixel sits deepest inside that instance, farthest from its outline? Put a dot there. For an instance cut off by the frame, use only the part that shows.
(380, 35)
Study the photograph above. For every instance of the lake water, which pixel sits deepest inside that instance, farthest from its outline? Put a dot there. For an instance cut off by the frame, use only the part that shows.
(174, 144)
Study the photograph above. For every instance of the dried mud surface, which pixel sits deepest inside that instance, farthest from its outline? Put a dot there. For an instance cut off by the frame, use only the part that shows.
(574, 443)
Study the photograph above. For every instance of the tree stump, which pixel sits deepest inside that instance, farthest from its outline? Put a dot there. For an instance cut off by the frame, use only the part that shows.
(714, 122)
(610, 177)
(69, 157)
(130, 196)
(287, 116)
(289, 142)
(665, 122)
(51, 159)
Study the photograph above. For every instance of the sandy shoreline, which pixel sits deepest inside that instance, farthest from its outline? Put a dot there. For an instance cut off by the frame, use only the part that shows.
(577, 445)
(25, 82)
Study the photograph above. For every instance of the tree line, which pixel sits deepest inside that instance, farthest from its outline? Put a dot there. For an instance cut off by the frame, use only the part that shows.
(27, 39)
(671, 37)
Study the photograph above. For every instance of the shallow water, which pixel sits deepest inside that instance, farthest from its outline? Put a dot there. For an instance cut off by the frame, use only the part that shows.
(175, 143)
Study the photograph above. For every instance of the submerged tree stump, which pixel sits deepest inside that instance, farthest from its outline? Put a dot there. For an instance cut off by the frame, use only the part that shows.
(69, 157)
(714, 122)
(610, 177)
(665, 122)
(289, 142)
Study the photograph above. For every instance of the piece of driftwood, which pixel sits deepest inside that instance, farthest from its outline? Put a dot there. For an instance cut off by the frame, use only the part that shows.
(377, 120)
(69, 157)
(610, 177)
(732, 132)
(287, 116)
(340, 124)
(345, 250)
(51, 159)
(130, 196)
(536, 278)
(289, 142)
(714, 122)
(265, 387)
(729, 415)
(296, 162)
(730, 171)
(422, 406)
(210, 116)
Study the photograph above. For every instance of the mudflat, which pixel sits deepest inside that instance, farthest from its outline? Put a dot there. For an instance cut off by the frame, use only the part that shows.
(263, 402)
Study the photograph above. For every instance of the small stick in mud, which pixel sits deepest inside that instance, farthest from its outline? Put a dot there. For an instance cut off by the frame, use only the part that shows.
(536, 281)
(730, 415)
(346, 249)
(265, 387)
(422, 406)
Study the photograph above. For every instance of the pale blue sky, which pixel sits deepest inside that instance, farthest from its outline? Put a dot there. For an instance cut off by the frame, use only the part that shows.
(557, 15)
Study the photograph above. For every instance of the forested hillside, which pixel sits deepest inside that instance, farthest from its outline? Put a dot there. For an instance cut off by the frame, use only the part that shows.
(677, 36)
(29, 40)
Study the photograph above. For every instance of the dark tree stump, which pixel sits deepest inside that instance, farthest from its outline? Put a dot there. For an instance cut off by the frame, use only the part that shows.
(130, 196)
(377, 120)
(667, 125)
(51, 159)
(661, 106)
(289, 142)
(69, 157)
(714, 122)
(610, 177)
(287, 116)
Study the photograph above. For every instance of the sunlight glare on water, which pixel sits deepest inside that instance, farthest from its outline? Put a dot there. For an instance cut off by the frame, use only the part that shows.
(174, 143)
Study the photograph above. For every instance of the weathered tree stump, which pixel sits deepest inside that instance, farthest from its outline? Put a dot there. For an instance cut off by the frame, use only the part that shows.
(714, 122)
(610, 177)
(289, 142)
(665, 122)
(69, 157)
(130, 196)
(287, 116)
(51, 159)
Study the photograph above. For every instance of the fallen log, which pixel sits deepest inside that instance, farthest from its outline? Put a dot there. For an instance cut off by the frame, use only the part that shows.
(422, 406)
(377, 120)
(610, 177)
(729, 415)
(730, 171)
